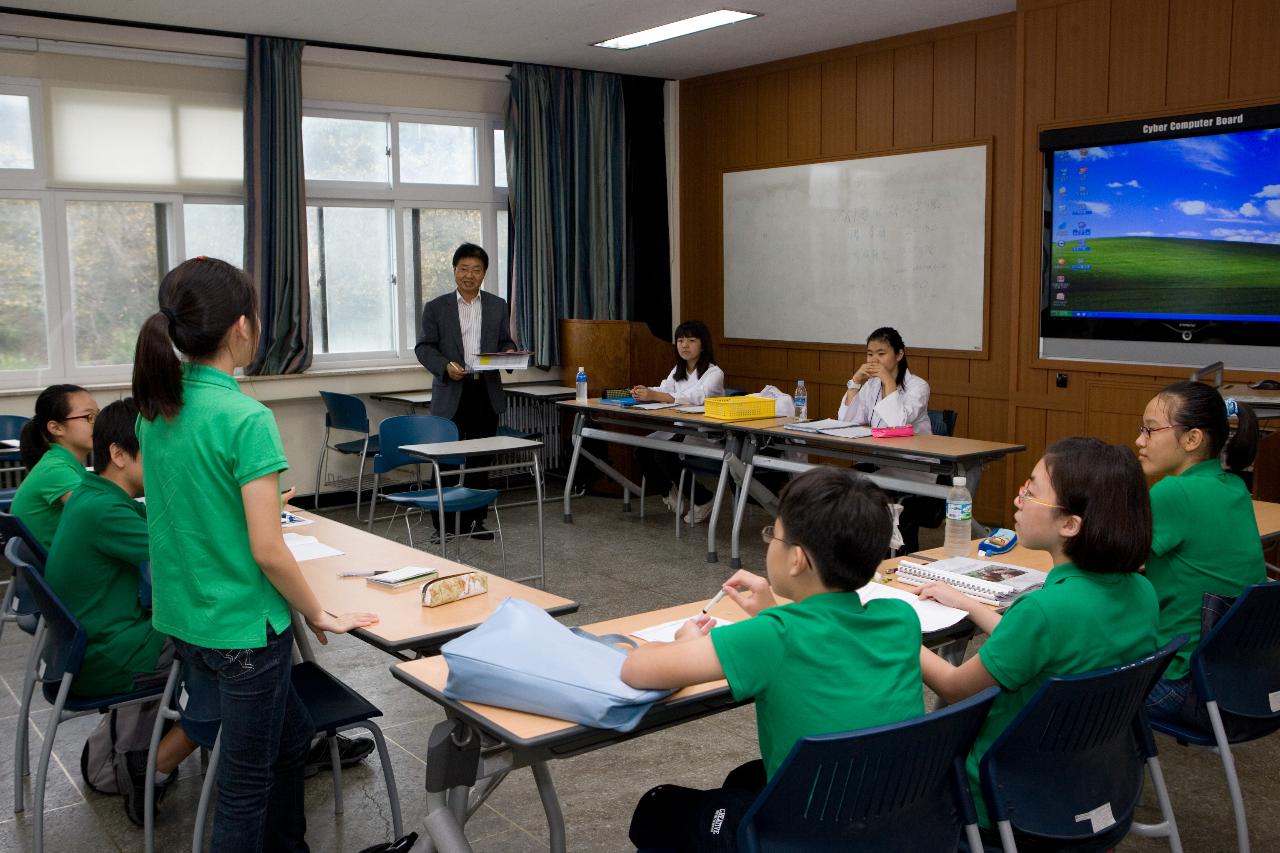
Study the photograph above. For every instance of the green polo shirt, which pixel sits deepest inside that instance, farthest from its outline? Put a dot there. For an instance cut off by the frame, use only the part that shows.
(1204, 539)
(207, 589)
(93, 568)
(1079, 621)
(822, 665)
(38, 501)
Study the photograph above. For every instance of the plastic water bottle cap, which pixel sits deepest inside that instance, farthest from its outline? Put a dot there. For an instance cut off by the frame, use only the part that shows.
(582, 370)
(957, 481)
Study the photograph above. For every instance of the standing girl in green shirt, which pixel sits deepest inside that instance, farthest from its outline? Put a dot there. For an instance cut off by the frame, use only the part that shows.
(1086, 504)
(224, 582)
(55, 444)
(1205, 534)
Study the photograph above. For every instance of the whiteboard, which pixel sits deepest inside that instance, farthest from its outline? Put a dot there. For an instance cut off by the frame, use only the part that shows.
(830, 251)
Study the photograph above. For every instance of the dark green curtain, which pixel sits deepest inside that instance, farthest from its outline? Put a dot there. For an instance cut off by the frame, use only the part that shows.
(566, 177)
(275, 209)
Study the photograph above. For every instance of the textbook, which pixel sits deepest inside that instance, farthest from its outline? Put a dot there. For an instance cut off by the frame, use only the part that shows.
(994, 583)
(407, 576)
(831, 426)
(501, 361)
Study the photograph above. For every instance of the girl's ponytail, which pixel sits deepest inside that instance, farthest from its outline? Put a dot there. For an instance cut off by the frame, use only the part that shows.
(1242, 447)
(157, 373)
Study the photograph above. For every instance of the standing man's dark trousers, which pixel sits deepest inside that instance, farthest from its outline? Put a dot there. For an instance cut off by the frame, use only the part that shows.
(474, 418)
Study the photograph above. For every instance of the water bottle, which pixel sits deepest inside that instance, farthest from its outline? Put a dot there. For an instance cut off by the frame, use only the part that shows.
(581, 385)
(802, 401)
(959, 516)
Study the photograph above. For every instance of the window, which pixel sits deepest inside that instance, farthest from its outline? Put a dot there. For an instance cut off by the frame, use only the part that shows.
(22, 286)
(17, 150)
(500, 158)
(434, 234)
(437, 154)
(344, 149)
(352, 285)
(215, 230)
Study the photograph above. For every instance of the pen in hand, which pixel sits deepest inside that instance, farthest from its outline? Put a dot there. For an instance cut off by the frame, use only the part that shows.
(713, 602)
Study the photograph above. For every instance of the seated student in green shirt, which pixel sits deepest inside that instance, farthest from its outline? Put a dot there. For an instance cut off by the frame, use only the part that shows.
(1086, 504)
(54, 446)
(1204, 531)
(93, 568)
(822, 664)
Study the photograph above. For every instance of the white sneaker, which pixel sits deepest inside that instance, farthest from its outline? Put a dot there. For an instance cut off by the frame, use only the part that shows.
(669, 500)
(698, 514)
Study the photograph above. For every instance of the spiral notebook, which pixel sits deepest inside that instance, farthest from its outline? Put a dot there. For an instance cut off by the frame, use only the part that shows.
(994, 583)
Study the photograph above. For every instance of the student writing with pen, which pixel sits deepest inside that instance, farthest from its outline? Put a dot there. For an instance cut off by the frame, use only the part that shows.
(832, 529)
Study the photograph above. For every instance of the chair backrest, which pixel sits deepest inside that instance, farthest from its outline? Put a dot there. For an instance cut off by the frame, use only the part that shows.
(942, 421)
(1237, 662)
(1079, 745)
(65, 639)
(344, 411)
(15, 535)
(894, 787)
(11, 527)
(11, 425)
(411, 429)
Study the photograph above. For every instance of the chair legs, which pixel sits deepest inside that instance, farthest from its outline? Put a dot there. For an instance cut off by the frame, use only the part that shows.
(42, 769)
(165, 712)
(206, 795)
(324, 450)
(21, 753)
(1233, 782)
(1168, 826)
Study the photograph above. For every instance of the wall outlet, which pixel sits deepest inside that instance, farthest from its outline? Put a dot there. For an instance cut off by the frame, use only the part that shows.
(1060, 380)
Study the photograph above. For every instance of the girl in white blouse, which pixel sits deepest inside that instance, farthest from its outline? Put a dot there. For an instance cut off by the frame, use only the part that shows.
(690, 382)
(883, 393)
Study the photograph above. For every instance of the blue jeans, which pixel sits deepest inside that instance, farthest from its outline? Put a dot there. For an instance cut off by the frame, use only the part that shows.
(266, 735)
(1167, 698)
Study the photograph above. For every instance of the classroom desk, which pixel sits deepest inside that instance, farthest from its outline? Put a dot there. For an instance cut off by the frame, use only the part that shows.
(507, 450)
(669, 420)
(412, 399)
(932, 454)
(1265, 404)
(404, 624)
(1268, 516)
(531, 409)
(478, 745)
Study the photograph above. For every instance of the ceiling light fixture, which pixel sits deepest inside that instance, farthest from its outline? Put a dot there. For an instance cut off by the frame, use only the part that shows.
(676, 29)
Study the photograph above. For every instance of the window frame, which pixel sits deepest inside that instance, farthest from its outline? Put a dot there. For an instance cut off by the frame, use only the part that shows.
(35, 177)
(53, 307)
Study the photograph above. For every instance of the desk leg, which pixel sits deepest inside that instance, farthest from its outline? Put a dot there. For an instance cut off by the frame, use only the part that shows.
(740, 508)
(719, 499)
(550, 805)
(537, 486)
(578, 421)
(453, 760)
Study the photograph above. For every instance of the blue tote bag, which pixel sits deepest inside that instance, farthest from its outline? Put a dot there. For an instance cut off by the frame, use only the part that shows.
(522, 658)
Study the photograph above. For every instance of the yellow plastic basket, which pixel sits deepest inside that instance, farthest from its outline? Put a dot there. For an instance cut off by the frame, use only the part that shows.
(738, 408)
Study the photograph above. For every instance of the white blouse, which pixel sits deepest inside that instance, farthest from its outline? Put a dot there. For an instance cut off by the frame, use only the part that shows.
(908, 404)
(692, 390)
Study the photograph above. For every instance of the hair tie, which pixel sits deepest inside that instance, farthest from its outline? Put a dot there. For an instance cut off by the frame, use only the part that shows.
(1233, 408)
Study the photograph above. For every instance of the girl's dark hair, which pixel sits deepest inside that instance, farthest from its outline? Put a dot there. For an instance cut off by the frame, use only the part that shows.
(693, 329)
(843, 522)
(1103, 484)
(890, 336)
(115, 425)
(53, 404)
(200, 300)
(1195, 405)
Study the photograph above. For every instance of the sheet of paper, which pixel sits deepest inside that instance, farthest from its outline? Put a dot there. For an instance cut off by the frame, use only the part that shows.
(849, 432)
(666, 632)
(308, 547)
(933, 616)
(818, 426)
(692, 410)
(652, 406)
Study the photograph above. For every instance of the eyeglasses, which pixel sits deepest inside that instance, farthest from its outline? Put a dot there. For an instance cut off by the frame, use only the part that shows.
(1146, 431)
(88, 418)
(766, 533)
(1022, 495)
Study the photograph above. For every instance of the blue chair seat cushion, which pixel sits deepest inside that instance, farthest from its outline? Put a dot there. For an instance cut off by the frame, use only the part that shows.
(331, 703)
(357, 445)
(76, 704)
(456, 498)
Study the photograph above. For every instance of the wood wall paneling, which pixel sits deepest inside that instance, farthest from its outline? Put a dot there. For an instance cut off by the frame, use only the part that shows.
(741, 117)
(875, 101)
(1255, 62)
(774, 118)
(1139, 55)
(1083, 50)
(913, 96)
(839, 107)
(954, 88)
(804, 113)
(1199, 51)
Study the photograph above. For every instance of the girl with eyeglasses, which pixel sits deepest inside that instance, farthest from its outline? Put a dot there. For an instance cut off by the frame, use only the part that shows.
(1086, 504)
(54, 445)
(1205, 535)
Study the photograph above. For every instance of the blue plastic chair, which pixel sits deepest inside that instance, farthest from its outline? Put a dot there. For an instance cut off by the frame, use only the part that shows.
(61, 641)
(345, 412)
(942, 421)
(11, 427)
(894, 787)
(1235, 672)
(17, 605)
(429, 429)
(1079, 749)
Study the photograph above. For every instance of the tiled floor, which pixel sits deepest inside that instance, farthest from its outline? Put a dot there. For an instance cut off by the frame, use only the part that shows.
(612, 563)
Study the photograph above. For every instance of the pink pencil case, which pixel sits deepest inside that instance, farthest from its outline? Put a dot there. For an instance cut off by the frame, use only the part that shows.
(892, 432)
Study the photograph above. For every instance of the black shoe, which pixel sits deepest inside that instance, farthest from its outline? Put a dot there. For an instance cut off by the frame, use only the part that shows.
(351, 751)
(479, 531)
(131, 780)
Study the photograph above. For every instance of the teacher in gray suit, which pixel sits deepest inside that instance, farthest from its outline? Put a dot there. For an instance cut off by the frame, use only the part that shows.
(456, 328)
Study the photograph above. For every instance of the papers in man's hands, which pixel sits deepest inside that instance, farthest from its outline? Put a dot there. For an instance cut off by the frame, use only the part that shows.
(933, 616)
(515, 360)
(831, 426)
(994, 583)
(666, 632)
(308, 547)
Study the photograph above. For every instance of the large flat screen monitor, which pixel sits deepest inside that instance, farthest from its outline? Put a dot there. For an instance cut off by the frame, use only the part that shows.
(1162, 241)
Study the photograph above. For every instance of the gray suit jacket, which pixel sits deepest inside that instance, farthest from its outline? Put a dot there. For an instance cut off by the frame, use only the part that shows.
(440, 342)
